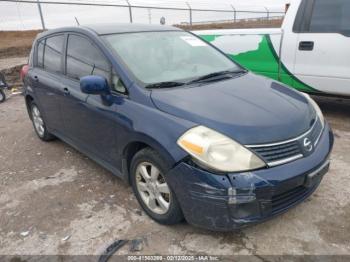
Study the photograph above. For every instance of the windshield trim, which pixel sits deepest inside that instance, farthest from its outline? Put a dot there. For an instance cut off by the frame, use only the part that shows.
(140, 82)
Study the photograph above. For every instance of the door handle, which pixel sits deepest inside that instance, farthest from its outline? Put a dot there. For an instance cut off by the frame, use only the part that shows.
(66, 91)
(306, 46)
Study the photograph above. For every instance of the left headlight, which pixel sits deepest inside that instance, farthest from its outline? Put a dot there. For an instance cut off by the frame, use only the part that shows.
(218, 152)
(316, 107)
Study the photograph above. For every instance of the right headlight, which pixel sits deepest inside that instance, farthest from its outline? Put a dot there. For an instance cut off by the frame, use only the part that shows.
(218, 152)
(316, 107)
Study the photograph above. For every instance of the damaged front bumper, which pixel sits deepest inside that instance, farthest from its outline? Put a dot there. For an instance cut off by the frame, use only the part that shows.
(232, 201)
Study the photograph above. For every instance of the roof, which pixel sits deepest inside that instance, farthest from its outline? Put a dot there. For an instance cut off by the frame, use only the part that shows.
(249, 31)
(115, 28)
(106, 29)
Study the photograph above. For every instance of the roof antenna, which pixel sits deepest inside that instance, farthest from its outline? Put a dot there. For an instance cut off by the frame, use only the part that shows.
(76, 20)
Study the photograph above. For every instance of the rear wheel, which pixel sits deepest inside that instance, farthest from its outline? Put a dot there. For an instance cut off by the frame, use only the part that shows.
(151, 189)
(2, 96)
(39, 124)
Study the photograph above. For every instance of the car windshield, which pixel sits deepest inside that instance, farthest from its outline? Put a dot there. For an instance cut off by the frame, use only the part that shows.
(168, 57)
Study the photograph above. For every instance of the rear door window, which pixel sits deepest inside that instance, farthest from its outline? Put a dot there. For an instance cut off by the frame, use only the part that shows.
(52, 57)
(84, 59)
(330, 17)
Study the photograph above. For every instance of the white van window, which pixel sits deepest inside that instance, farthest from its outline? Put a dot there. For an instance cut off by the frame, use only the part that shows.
(330, 16)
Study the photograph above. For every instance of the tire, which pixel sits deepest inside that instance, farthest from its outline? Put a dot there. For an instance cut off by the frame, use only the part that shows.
(148, 159)
(37, 120)
(2, 96)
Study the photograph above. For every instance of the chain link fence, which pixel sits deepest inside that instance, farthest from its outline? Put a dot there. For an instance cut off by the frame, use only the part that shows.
(35, 14)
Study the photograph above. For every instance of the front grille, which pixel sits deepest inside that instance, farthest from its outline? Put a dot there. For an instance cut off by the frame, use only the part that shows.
(276, 153)
(316, 132)
(284, 200)
(280, 153)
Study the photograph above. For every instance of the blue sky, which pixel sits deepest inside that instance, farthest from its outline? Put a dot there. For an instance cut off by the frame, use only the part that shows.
(21, 16)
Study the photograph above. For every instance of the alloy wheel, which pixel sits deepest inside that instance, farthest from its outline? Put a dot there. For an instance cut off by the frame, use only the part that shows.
(153, 189)
(38, 121)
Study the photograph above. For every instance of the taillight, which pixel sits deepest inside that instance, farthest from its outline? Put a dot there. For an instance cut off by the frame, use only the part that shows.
(24, 72)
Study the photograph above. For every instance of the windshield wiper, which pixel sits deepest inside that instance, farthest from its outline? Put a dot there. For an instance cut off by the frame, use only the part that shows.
(227, 73)
(165, 84)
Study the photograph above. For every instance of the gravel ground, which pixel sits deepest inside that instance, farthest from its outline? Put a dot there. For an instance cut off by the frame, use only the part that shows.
(7, 63)
(54, 200)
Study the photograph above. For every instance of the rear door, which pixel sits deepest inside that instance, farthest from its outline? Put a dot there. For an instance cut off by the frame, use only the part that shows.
(45, 78)
(323, 47)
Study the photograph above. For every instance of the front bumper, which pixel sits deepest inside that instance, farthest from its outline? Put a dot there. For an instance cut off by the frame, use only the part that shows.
(232, 201)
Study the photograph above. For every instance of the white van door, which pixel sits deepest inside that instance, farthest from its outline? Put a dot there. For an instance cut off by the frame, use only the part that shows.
(323, 49)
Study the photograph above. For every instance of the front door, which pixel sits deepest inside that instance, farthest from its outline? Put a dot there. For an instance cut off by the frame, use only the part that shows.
(323, 47)
(87, 120)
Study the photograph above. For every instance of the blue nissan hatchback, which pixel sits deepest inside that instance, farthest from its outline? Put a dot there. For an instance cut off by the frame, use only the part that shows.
(197, 136)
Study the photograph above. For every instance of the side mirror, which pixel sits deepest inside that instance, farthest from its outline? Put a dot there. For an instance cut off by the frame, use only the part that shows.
(94, 85)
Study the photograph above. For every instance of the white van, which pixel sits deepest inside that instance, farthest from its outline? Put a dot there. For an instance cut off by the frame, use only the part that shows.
(311, 52)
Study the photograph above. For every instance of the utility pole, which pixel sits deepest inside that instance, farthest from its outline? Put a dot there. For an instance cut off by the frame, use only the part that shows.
(41, 15)
(235, 13)
(267, 13)
(190, 9)
(130, 10)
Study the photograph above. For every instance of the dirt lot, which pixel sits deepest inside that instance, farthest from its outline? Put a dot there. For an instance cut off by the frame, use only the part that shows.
(54, 200)
(239, 24)
(14, 50)
(16, 43)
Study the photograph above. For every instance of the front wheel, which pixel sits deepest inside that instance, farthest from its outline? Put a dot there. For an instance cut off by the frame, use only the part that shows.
(2, 96)
(151, 189)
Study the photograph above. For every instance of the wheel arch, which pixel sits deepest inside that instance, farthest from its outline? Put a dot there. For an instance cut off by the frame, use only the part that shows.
(133, 147)
(29, 99)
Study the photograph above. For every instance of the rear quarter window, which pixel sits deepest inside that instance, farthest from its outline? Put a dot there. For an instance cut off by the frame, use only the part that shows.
(40, 53)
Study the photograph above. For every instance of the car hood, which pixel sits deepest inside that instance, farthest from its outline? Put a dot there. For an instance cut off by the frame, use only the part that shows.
(250, 109)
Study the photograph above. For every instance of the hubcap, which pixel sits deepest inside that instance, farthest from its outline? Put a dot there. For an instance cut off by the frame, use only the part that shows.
(38, 121)
(153, 189)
